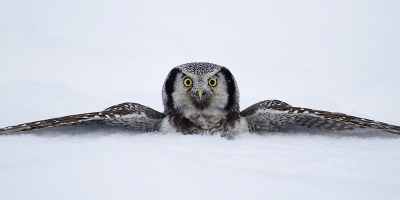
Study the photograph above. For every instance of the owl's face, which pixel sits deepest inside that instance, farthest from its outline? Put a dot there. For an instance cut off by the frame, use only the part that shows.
(200, 87)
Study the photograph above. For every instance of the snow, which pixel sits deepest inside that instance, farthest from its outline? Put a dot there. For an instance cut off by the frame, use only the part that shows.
(153, 166)
(62, 58)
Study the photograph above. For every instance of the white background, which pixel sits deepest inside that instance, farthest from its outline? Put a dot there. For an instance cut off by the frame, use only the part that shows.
(59, 58)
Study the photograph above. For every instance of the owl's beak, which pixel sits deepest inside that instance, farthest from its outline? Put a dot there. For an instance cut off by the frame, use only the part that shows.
(200, 92)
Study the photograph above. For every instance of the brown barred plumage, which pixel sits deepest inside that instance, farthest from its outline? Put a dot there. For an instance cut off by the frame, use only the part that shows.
(130, 115)
(275, 115)
(200, 106)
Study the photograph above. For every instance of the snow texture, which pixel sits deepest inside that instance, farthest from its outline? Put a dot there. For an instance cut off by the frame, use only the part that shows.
(62, 58)
(100, 165)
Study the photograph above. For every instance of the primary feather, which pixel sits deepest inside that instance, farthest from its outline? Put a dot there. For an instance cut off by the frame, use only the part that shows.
(276, 115)
(131, 115)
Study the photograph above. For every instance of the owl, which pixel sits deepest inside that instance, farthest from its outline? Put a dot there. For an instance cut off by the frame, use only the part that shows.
(203, 98)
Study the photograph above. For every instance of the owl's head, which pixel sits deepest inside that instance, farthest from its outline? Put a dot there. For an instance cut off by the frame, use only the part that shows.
(200, 87)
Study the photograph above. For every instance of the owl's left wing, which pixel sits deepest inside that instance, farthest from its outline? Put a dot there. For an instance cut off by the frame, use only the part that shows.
(275, 115)
(130, 115)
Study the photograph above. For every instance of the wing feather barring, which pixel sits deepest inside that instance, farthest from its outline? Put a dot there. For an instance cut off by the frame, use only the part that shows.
(204, 98)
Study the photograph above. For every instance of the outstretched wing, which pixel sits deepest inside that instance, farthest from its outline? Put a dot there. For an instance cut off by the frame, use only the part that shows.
(131, 115)
(275, 115)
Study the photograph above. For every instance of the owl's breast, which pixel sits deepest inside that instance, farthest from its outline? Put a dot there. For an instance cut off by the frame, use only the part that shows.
(210, 123)
(203, 123)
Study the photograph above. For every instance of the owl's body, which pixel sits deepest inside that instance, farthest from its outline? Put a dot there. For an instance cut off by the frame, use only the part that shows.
(204, 98)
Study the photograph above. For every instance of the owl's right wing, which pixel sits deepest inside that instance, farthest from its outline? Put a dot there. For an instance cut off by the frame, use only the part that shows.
(130, 115)
(274, 115)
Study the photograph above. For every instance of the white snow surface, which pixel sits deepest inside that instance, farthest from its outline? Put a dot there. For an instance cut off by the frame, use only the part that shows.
(61, 58)
(120, 165)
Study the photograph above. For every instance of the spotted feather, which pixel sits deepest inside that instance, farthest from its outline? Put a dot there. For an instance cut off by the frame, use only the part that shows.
(276, 115)
(130, 115)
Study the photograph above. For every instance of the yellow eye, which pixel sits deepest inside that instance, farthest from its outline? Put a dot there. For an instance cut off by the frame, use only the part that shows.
(212, 82)
(187, 82)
